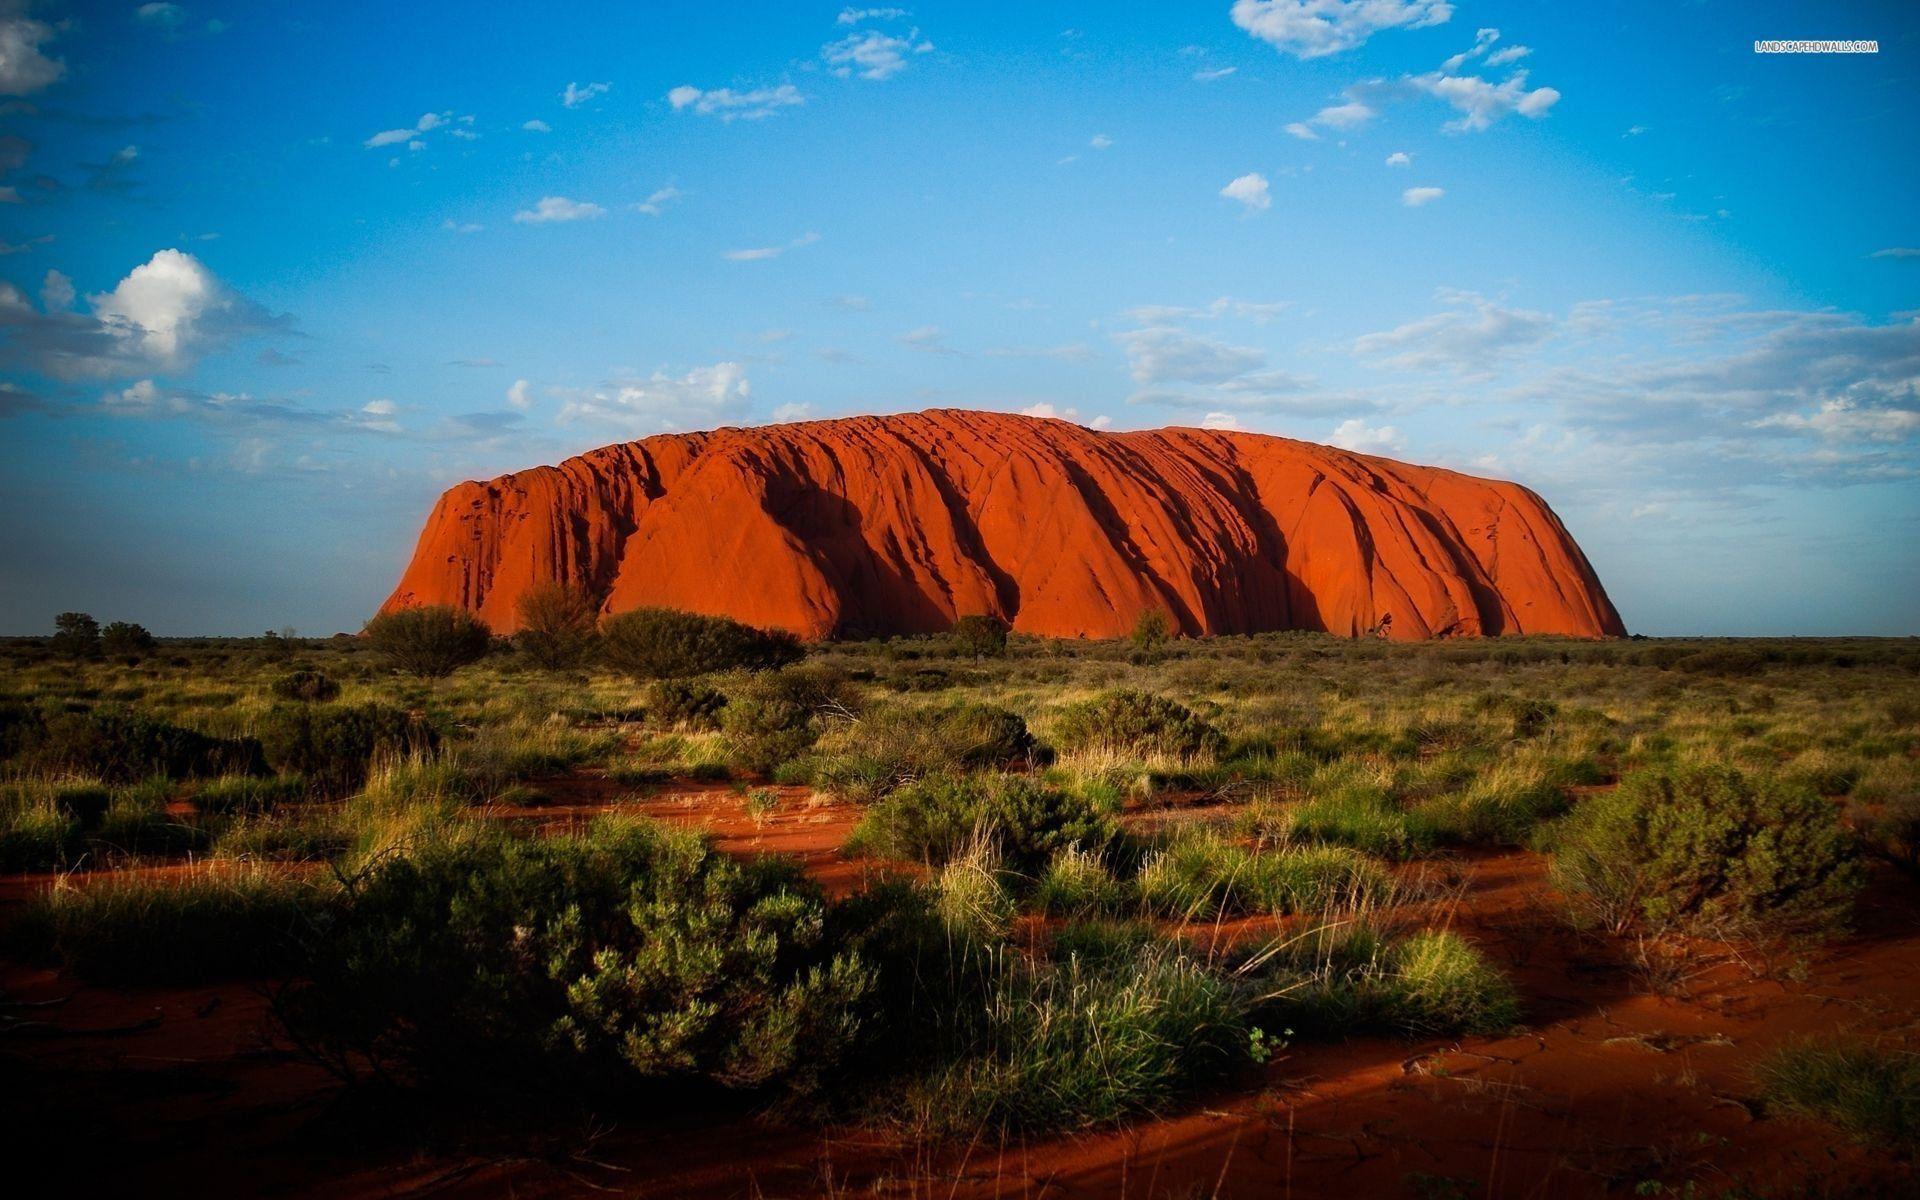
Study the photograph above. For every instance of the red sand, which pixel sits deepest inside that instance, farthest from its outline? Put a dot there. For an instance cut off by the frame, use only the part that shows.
(888, 525)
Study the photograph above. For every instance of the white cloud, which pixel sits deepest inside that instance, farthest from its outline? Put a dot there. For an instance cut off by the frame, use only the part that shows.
(160, 15)
(657, 201)
(56, 292)
(758, 253)
(410, 135)
(170, 307)
(1482, 39)
(1220, 420)
(1048, 412)
(873, 55)
(1842, 419)
(576, 94)
(1301, 130)
(701, 397)
(1399, 158)
(1501, 58)
(23, 68)
(1100, 141)
(730, 105)
(1315, 28)
(454, 226)
(1356, 435)
(791, 412)
(1162, 354)
(853, 16)
(928, 339)
(1897, 252)
(1483, 103)
(1414, 197)
(558, 208)
(536, 126)
(1251, 190)
(1208, 75)
(519, 396)
(1469, 337)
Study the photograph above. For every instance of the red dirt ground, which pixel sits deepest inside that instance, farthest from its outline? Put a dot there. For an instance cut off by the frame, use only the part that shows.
(184, 1091)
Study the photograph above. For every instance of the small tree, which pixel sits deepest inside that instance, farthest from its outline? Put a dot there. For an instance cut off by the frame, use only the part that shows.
(979, 636)
(76, 635)
(556, 625)
(664, 643)
(432, 641)
(124, 639)
(1152, 630)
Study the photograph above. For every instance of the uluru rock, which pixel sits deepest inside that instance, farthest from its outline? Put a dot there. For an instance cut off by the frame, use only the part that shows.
(900, 524)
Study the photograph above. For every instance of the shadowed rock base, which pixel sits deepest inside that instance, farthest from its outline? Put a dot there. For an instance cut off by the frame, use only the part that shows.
(893, 525)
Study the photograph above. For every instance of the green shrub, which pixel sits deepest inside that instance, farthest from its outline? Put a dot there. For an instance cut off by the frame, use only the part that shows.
(76, 635)
(777, 716)
(309, 686)
(892, 746)
(125, 746)
(632, 952)
(431, 641)
(557, 626)
(1364, 817)
(664, 643)
(333, 746)
(978, 637)
(1077, 883)
(1708, 847)
(245, 795)
(1871, 1092)
(137, 822)
(682, 704)
(1437, 982)
(211, 923)
(36, 833)
(125, 640)
(1345, 977)
(1151, 631)
(936, 819)
(1139, 726)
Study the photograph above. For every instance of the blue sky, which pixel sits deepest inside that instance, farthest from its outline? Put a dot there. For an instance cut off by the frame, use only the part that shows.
(273, 275)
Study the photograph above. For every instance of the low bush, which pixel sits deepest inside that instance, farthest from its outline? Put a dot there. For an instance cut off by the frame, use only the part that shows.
(36, 833)
(893, 746)
(308, 686)
(245, 795)
(1871, 1092)
(1138, 726)
(935, 820)
(333, 746)
(1708, 848)
(124, 746)
(629, 953)
(777, 716)
(126, 641)
(431, 641)
(1346, 977)
(664, 643)
(1077, 884)
(683, 704)
(978, 637)
(557, 626)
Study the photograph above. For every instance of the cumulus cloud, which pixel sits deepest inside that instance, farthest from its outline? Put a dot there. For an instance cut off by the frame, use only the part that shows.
(1251, 190)
(519, 395)
(536, 126)
(1356, 435)
(730, 105)
(700, 398)
(24, 70)
(1220, 420)
(577, 94)
(558, 208)
(412, 134)
(1316, 28)
(1414, 197)
(167, 313)
(1482, 103)
(873, 55)
(1399, 158)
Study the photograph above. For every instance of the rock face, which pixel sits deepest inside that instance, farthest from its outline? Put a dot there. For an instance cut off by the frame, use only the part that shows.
(884, 525)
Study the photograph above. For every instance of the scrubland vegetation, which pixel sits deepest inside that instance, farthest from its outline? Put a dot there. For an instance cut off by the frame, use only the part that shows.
(1097, 880)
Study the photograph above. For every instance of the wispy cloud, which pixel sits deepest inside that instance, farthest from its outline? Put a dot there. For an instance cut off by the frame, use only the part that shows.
(1316, 28)
(558, 208)
(873, 55)
(730, 105)
(577, 94)
(1414, 197)
(760, 253)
